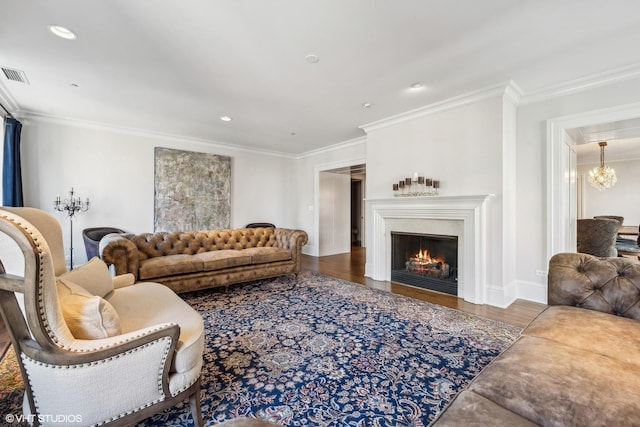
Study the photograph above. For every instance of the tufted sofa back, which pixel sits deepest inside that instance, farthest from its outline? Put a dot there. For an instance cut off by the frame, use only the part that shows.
(609, 285)
(152, 245)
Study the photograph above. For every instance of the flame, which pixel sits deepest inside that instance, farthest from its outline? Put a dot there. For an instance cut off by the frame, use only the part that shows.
(425, 256)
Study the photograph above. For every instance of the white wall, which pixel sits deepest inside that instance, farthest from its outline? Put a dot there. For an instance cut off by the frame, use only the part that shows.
(460, 146)
(532, 172)
(618, 200)
(115, 169)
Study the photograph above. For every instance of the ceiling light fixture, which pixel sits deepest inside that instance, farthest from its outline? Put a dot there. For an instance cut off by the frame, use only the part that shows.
(417, 86)
(602, 177)
(366, 105)
(312, 59)
(225, 118)
(63, 32)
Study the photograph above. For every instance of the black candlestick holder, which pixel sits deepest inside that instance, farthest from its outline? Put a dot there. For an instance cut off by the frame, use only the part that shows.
(71, 206)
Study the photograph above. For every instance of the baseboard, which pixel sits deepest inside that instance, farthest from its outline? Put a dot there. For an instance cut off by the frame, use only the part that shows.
(500, 296)
(310, 250)
(504, 296)
(531, 291)
(367, 270)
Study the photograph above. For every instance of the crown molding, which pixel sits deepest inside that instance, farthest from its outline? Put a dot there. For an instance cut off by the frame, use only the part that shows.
(339, 146)
(583, 83)
(513, 92)
(87, 124)
(510, 89)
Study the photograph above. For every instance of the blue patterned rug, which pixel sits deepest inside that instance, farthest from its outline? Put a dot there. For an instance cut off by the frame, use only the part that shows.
(320, 351)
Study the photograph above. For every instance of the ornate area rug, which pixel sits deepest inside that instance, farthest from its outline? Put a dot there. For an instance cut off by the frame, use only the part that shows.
(320, 351)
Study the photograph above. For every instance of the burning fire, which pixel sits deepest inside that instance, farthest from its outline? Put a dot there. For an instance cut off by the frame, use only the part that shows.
(424, 256)
(425, 264)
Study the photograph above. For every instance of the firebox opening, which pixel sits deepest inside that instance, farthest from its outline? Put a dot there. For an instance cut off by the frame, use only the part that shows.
(425, 260)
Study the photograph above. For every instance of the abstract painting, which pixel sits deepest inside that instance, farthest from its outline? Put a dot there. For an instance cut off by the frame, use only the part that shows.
(192, 190)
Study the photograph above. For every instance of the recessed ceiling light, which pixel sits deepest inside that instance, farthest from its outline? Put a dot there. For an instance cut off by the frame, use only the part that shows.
(417, 86)
(225, 118)
(312, 59)
(63, 32)
(366, 105)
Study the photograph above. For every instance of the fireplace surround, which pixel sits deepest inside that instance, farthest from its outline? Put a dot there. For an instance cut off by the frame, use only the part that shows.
(461, 216)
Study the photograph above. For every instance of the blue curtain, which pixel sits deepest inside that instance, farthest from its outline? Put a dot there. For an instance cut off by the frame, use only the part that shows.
(11, 169)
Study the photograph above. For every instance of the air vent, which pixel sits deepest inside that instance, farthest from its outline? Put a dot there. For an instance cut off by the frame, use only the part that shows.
(15, 75)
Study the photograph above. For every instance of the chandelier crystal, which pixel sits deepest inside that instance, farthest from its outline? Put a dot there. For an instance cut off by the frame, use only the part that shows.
(602, 177)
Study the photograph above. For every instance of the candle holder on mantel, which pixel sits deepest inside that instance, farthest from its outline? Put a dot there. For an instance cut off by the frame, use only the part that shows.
(418, 186)
(71, 206)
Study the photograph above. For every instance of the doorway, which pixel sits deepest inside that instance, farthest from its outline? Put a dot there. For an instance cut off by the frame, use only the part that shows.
(357, 210)
(341, 212)
(561, 184)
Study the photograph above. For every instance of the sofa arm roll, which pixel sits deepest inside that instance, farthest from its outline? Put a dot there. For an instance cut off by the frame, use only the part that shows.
(122, 253)
(609, 285)
(290, 239)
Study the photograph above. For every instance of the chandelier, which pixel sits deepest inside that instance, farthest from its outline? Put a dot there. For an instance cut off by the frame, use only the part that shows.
(602, 177)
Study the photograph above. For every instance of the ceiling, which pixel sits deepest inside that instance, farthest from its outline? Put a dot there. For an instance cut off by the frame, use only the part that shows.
(176, 66)
(622, 138)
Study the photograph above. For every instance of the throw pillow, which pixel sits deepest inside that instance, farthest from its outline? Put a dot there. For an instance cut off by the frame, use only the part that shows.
(93, 276)
(88, 316)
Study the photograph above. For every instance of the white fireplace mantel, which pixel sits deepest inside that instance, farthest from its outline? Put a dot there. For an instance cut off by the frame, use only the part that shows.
(471, 210)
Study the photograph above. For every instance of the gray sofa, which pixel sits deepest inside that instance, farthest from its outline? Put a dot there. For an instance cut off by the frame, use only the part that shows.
(192, 260)
(576, 364)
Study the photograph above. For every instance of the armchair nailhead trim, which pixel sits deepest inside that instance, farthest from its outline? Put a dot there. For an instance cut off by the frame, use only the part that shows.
(41, 257)
(185, 387)
(165, 340)
(120, 342)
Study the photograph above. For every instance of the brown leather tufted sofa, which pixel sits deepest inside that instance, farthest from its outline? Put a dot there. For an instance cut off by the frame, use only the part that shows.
(187, 261)
(576, 364)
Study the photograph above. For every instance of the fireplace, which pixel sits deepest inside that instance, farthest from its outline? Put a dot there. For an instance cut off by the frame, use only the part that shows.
(428, 261)
(462, 216)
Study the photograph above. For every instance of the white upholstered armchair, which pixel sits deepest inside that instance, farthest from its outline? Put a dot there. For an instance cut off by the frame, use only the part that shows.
(95, 348)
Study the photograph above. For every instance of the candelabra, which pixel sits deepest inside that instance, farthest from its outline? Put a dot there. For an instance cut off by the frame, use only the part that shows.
(416, 187)
(71, 206)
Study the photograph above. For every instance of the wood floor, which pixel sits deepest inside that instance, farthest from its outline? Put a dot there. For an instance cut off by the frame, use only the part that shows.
(351, 267)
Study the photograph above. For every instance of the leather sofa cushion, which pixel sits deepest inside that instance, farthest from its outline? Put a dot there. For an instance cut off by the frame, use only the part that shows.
(551, 383)
(217, 260)
(612, 336)
(471, 409)
(262, 255)
(169, 265)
